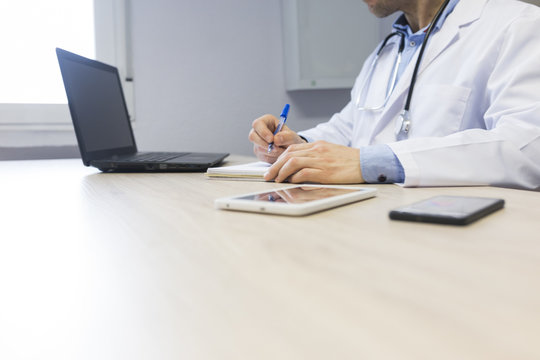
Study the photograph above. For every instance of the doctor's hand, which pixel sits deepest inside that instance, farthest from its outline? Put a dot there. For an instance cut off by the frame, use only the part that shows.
(319, 162)
(262, 134)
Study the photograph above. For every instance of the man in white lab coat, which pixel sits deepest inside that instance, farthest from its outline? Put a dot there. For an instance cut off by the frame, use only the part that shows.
(474, 112)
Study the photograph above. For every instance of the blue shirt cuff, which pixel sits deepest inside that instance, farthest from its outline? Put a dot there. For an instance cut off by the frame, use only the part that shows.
(380, 165)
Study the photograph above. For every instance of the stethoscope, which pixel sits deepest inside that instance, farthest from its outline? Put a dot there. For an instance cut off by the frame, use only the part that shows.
(404, 124)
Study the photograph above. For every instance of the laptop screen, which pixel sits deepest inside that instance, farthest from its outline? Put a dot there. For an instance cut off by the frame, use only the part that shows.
(96, 98)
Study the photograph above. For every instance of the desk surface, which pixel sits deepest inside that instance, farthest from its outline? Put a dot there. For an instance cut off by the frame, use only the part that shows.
(141, 266)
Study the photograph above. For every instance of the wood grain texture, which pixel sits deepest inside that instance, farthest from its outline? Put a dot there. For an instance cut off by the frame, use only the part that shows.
(141, 266)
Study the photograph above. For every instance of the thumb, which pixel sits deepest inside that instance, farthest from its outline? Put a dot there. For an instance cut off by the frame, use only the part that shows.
(287, 137)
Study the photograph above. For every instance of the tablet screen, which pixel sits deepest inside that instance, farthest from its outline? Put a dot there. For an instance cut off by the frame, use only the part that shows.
(298, 195)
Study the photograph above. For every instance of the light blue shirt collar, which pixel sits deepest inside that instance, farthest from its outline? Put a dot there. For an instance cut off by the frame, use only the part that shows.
(402, 25)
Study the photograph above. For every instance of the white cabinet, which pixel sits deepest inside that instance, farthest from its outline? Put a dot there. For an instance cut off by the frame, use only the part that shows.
(326, 42)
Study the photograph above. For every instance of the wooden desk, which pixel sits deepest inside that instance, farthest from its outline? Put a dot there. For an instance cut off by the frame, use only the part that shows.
(141, 266)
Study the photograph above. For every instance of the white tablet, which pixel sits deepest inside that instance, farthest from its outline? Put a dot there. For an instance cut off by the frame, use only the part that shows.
(296, 199)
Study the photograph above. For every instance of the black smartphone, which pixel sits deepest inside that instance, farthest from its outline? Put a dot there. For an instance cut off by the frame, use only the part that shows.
(453, 210)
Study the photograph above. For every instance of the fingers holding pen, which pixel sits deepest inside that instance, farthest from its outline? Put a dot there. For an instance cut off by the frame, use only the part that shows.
(297, 161)
(261, 134)
(271, 136)
(262, 131)
(281, 139)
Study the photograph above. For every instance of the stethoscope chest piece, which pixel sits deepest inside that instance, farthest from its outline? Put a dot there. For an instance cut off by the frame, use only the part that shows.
(403, 125)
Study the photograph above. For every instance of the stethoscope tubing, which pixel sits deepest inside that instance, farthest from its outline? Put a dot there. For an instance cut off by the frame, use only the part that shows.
(391, 84)
(405, 118)
(421, 55)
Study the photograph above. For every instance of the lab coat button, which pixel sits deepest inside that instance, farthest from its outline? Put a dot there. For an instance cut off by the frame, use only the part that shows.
(382, 178)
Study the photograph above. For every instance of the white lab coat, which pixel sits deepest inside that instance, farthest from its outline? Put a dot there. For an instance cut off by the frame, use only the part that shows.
(475, 110)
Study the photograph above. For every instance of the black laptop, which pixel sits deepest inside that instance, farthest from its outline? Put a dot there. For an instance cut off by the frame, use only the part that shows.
(100, 117)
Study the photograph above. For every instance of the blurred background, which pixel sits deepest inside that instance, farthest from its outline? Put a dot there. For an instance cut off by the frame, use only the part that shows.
(195, 74)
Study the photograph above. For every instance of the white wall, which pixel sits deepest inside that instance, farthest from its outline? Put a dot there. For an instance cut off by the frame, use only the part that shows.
(205, 69)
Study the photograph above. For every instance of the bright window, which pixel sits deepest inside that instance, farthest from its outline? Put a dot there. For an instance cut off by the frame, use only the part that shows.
(32, 96)
(29, 70)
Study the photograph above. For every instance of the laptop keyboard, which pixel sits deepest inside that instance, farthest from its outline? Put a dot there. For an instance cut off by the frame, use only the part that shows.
(156, 156)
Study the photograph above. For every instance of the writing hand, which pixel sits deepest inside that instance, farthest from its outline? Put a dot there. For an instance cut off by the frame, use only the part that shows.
(262, 134)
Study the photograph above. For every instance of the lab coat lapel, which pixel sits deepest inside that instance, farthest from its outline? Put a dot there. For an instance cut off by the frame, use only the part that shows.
(463, 14)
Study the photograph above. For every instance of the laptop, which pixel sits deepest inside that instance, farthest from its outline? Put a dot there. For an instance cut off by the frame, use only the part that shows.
(102, 126)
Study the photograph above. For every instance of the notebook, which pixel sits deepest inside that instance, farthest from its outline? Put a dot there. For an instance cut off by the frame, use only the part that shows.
(102, 125)
(249, 171)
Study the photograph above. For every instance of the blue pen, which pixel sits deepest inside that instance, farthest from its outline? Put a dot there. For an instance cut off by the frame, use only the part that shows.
(282, 120)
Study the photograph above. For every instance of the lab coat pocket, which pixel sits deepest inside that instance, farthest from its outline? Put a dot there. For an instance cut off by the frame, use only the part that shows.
(438, 110)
